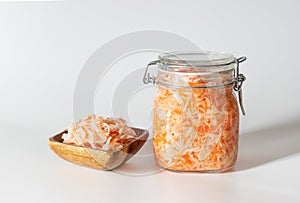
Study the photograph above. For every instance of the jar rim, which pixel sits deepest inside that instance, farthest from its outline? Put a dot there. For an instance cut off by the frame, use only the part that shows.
(206, 61)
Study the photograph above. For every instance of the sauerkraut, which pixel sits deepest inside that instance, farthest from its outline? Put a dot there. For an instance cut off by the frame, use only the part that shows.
(195, 129)
(99, 133)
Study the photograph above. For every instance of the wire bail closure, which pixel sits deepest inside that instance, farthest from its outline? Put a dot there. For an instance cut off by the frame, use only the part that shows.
(239, 79)
(238, 83)
(147, 77)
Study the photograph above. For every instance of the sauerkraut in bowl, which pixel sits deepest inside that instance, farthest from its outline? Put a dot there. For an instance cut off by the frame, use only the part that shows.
(100, 133)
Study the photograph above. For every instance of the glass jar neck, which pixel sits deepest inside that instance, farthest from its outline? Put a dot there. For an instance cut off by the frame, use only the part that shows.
(194, 79)
(196, 69)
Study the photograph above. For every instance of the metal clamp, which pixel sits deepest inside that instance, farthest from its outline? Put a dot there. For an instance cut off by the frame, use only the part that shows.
(147, 77)
(238, 83)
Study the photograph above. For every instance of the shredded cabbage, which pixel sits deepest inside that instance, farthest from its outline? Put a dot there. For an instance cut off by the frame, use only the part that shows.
(99, 133)
(195, 129)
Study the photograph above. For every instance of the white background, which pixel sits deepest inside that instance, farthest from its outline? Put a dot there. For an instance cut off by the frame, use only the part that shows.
(43, 46)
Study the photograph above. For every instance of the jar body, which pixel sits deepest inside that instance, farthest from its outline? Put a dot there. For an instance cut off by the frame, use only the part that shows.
(196, 129)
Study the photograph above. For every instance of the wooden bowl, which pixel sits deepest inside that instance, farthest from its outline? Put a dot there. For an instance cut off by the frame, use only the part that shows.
(94, 158)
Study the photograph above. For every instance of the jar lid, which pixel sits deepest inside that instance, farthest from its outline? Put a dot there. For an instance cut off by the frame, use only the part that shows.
(206, 61)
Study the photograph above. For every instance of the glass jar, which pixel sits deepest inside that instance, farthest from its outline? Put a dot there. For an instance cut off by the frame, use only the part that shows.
(196, 115)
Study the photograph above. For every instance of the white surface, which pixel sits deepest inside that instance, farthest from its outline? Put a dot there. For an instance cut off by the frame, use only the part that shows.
(267, 171)
(43, 47)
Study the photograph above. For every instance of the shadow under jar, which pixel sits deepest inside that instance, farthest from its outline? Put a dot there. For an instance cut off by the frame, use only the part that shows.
(196, 115)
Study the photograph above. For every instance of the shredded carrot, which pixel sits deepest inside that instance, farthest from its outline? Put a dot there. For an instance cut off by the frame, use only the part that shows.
(195, 129)
(99, 133)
